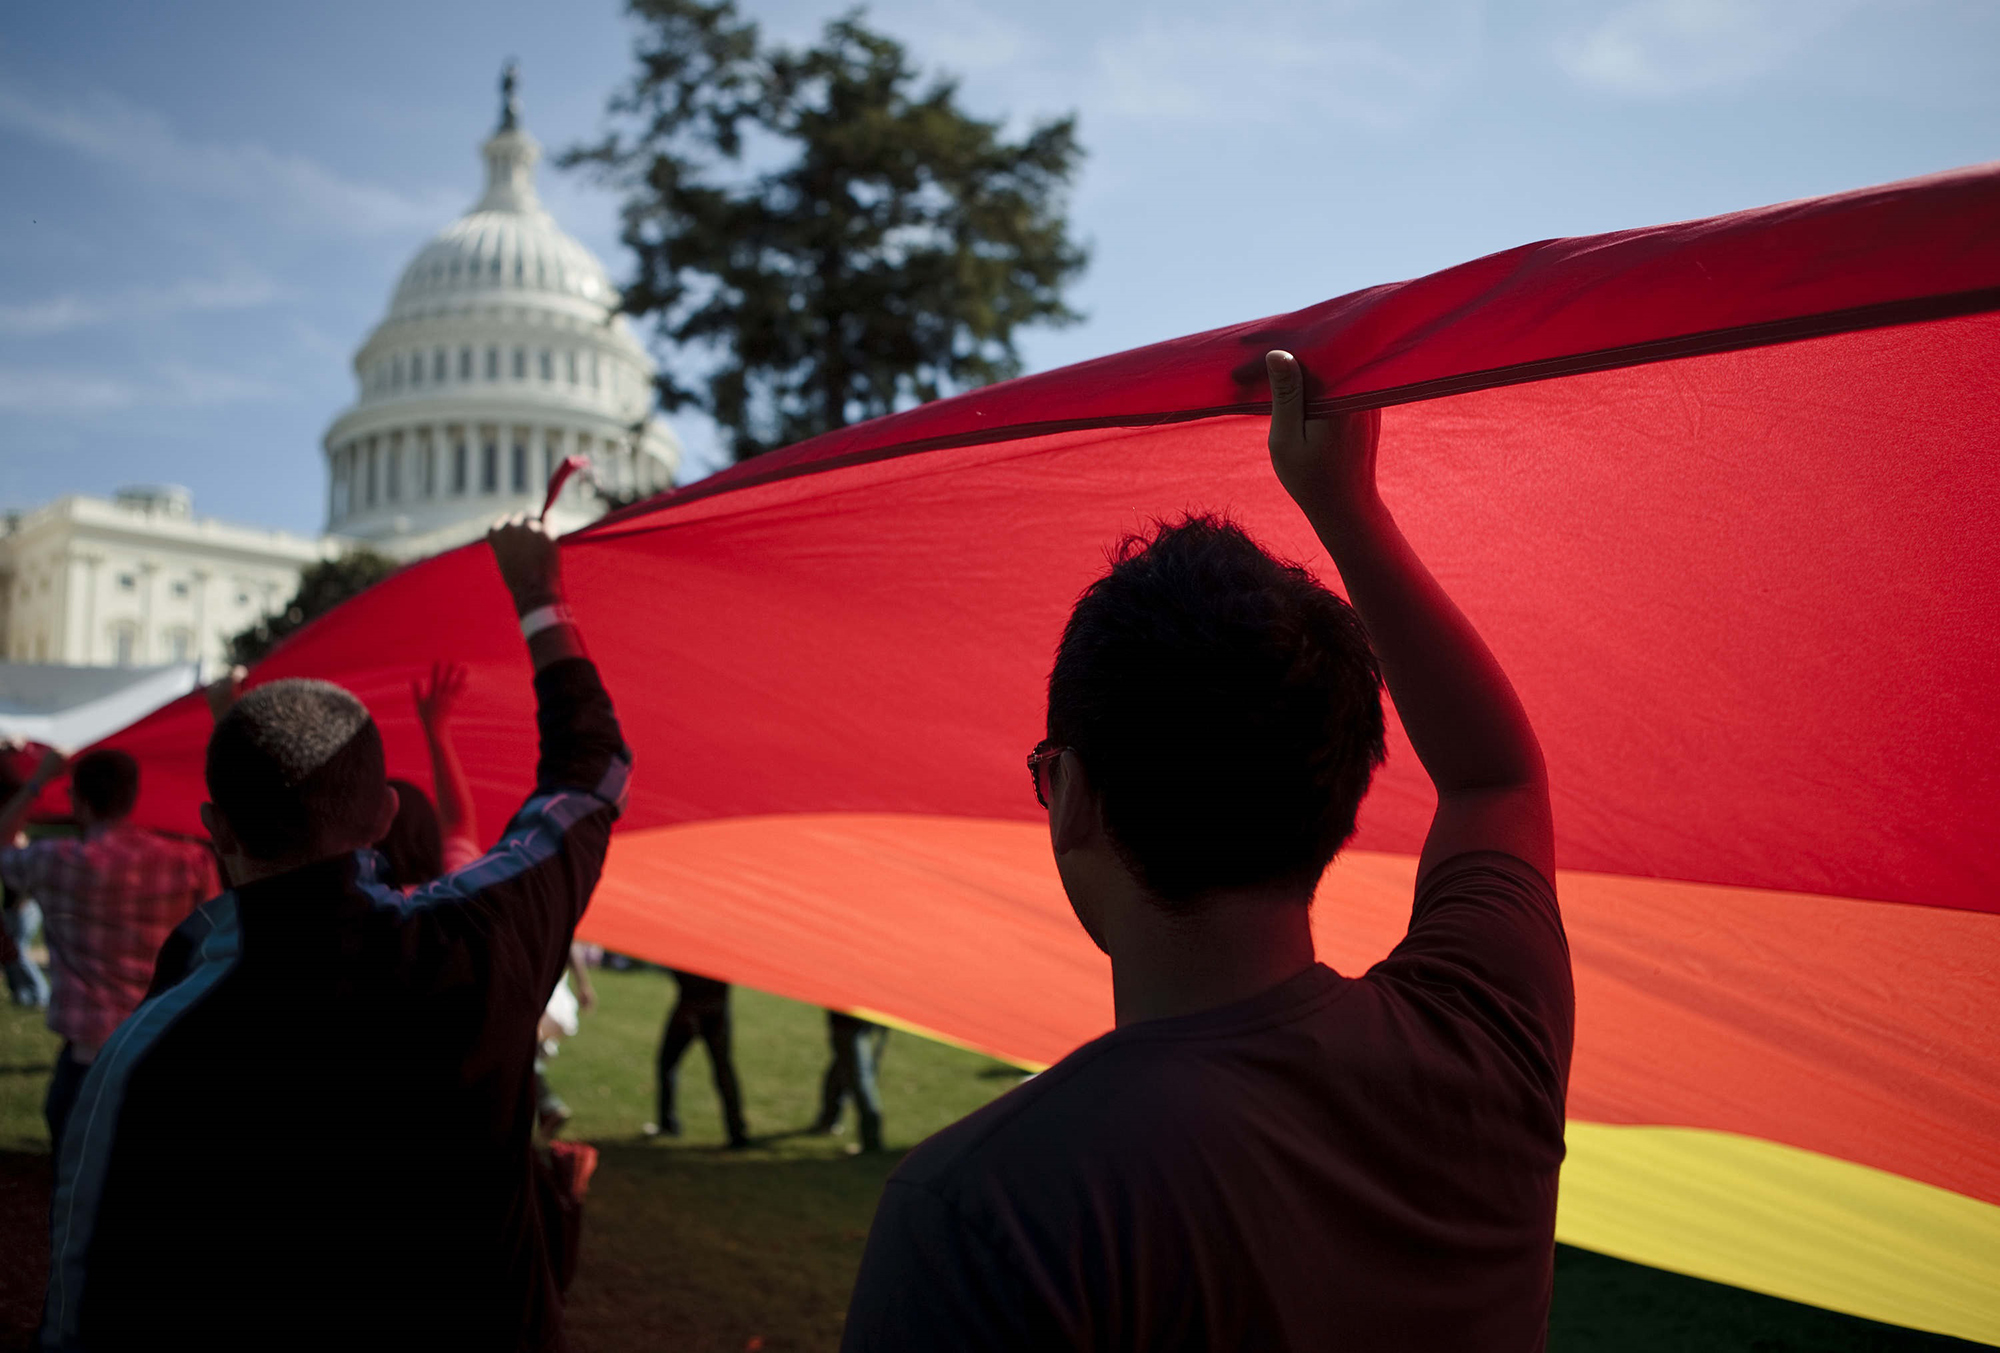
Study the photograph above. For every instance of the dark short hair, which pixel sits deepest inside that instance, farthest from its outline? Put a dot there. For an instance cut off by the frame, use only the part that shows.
(413, 849)
(106, 782)
(1226, 707)
(295, 766)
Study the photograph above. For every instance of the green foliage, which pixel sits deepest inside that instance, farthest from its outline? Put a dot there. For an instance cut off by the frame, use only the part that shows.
(322, 586)
(834, 238)
(27, 1055)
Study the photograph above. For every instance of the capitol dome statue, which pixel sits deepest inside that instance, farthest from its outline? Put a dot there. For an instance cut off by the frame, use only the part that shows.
(502, 353)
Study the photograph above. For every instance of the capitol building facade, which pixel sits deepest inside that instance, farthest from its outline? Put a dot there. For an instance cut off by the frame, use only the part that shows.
(503, 352)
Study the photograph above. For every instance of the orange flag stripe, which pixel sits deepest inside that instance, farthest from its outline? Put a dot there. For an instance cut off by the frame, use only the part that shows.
(1855, 1030)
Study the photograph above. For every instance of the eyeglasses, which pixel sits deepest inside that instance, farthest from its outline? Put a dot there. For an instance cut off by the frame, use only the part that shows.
(1045, 753)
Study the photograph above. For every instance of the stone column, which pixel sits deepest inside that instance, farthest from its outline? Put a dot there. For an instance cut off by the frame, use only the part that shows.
(88, 654)
(142, 651)
(201, 636)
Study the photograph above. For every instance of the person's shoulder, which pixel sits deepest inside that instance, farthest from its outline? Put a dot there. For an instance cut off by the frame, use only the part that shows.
(1486, 941)
(132, 837)
(179, 852)
(41, 848)
(54, 858)
(1015, 1131)
(1118, 1096)
(1491, 893)
(1470, 866)
(1475, 864)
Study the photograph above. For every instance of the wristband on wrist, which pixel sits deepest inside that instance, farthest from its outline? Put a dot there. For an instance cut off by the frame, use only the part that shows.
(545, 617)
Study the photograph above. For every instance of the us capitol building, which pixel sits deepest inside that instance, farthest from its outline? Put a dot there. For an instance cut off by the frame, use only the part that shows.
(503, 352)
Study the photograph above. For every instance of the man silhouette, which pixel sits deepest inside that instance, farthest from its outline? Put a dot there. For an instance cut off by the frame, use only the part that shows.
(315, 1132)
(1265, 1154)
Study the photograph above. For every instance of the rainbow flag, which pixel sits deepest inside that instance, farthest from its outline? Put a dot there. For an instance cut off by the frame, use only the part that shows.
(1724, 497)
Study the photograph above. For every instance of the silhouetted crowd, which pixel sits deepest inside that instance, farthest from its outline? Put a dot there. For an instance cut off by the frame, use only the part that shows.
(303, 1095)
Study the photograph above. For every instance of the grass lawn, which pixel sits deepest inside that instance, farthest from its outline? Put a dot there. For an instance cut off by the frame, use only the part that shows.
(690, 1247)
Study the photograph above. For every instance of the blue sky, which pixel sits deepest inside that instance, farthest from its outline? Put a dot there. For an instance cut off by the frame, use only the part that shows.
(206, 204)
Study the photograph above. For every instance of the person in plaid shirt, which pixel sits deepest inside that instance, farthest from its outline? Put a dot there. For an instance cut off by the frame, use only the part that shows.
(109, 900)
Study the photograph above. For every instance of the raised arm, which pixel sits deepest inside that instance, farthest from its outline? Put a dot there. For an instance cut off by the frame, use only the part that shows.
(15, 810)
(526, 894)
(580, 742)
(532, 569)
(1463, 718)
(457, 817)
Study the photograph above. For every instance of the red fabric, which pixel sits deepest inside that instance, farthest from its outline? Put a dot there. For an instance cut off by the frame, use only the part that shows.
(17, 766)
(1750, 596)
(1918, 248)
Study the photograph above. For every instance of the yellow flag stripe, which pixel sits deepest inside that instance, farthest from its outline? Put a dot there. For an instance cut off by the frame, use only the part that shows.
(1787, 1222)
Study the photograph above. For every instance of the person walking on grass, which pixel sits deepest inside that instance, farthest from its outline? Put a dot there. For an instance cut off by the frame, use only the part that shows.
(858, 1045)
(700, 1011)
(315, 1132)
(109, 899)
(20, 915)
(1265, 1154)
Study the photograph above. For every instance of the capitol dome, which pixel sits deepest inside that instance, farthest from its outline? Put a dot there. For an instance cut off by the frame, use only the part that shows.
(503, 352)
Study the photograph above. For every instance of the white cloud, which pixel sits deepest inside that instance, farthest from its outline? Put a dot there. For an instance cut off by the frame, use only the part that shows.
(960, 35)
(171, 385)
(141, 142)
(60, 314)
(63, 392)
(1662, 48)
(178, 383)
(1326, 61)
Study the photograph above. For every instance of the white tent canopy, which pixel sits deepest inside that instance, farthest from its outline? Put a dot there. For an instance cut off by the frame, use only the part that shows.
(71, 707)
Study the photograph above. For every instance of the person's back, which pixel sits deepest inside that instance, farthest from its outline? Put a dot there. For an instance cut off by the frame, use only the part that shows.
(1337, 1162)
(1264, 1153)
(338, 1109)
(316, 1131)
(109, 898)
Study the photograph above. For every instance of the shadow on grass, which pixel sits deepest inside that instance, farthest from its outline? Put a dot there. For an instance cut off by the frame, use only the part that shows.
(24, 1245)
(1604, 1303)
(704, 1249)
(698, 1248)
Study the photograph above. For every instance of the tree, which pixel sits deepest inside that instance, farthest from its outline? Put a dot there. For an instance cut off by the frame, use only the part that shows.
(832, 240)
(322, 586)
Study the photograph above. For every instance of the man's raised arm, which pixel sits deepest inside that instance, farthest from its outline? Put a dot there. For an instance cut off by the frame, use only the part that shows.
(1463, 718)
(580, 743)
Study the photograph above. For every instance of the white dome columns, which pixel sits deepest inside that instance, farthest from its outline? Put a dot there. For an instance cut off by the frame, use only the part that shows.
(396, 477)
(502, 353)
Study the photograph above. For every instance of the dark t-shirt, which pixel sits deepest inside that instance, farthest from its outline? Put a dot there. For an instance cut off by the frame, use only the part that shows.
(1338, 1163)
